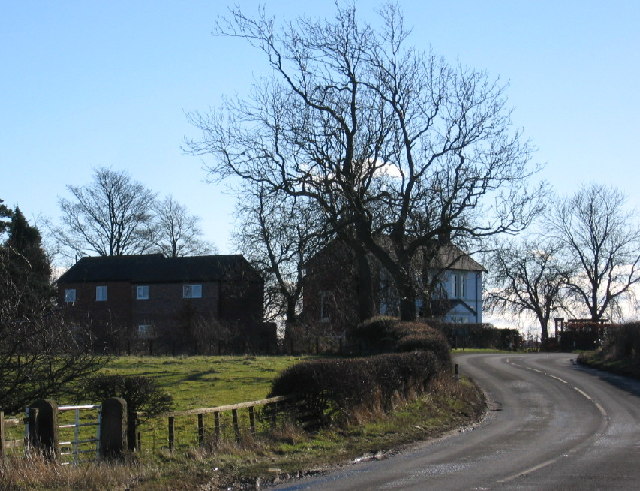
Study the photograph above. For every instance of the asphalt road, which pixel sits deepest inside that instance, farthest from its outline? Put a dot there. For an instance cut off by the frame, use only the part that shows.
(551, 425)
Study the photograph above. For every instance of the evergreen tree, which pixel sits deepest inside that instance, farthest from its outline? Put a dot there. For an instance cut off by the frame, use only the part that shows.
(27, 263)
(40, 354)
(4, 214)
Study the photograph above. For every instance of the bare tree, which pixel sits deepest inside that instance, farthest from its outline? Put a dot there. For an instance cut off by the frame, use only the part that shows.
(601, 240)
(110, 217)
(177, 233)
(385, 140)
(40, 355)
(528, 277)
(278, 234)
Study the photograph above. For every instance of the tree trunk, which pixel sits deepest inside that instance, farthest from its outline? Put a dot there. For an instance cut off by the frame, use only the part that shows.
(544, 331)
(366, 304)
(292, 316)
(407, 301)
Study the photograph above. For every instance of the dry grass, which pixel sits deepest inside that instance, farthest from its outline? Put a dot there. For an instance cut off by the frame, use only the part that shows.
(35, 472)
(284, 451)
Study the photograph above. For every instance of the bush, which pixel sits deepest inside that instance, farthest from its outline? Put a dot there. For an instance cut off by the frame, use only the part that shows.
(143, 394)
(623, 341)
(478, 335)
(428, 339)
(334, 390)
(375, 335)
(388, 334)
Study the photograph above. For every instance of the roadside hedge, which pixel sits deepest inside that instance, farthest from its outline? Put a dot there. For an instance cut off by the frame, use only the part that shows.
(335, 390)
(388, 334)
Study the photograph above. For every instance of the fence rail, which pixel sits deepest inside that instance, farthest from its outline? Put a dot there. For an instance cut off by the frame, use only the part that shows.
(71, 436)
(217, 423)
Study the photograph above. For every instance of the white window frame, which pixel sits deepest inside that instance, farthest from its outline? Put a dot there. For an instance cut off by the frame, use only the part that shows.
(142, 292)
(459, 285)
(101, 293)
(70, 295)
(192, 291)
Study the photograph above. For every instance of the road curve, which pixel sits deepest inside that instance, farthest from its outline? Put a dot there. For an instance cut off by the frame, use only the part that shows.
(551, 425)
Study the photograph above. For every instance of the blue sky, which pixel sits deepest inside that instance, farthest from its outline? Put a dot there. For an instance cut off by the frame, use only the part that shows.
(87, 84)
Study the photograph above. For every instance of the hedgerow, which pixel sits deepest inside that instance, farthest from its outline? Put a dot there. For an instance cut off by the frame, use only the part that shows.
(334, 390)
(388, 334)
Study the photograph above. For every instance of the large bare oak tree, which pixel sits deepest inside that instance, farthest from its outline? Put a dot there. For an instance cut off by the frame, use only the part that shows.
(385, 139)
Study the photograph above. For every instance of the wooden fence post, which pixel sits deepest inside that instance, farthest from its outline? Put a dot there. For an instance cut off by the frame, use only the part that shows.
(171, 432)
(2, 436)
(113, 428)
(252, 420)
(236, 426)
(200, 429)
(43, 427)
(216, 425)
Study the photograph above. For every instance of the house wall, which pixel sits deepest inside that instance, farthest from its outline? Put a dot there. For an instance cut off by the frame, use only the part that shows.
(172, 318)
(472, 295)
(101, 316)
(330, 299)
(166, 309)
(331, 288)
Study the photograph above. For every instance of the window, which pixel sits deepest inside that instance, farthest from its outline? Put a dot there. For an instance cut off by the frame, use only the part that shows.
(101, 293)
(70, 295)
(459, 283)
(191, 291)
(142, 292)
(325, 299)
(144, 330)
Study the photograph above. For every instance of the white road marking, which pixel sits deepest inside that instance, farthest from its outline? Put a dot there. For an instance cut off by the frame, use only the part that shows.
(551, 461)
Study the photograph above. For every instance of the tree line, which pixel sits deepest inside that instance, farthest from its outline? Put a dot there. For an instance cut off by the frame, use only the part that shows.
(115, 215)
(360, 137)
(583, 261)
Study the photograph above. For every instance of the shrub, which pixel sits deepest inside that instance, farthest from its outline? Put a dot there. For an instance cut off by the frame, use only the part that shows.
(427, 339)
(478, 335)
(375, 335)
(388, 334)
(143, 395)
(623, 341)
(333, 390)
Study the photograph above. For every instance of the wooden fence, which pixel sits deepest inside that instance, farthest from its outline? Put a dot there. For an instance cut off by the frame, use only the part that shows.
(216, 428)
(42, 428)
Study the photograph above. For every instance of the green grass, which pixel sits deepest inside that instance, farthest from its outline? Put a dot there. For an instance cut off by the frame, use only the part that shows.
(621, 366)
(213, 381)
(206, 381)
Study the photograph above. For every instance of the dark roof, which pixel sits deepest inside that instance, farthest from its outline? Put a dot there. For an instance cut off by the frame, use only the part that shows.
(450, 256)
(155, 268)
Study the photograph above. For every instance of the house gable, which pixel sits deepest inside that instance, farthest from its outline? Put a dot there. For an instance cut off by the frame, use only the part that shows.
(332, 276)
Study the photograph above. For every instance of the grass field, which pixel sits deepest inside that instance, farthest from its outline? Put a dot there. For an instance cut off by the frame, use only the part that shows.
(213, 381)
(206, 381)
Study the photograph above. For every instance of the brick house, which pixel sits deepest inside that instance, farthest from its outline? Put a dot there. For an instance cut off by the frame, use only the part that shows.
(331, 288)
(151, 302)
